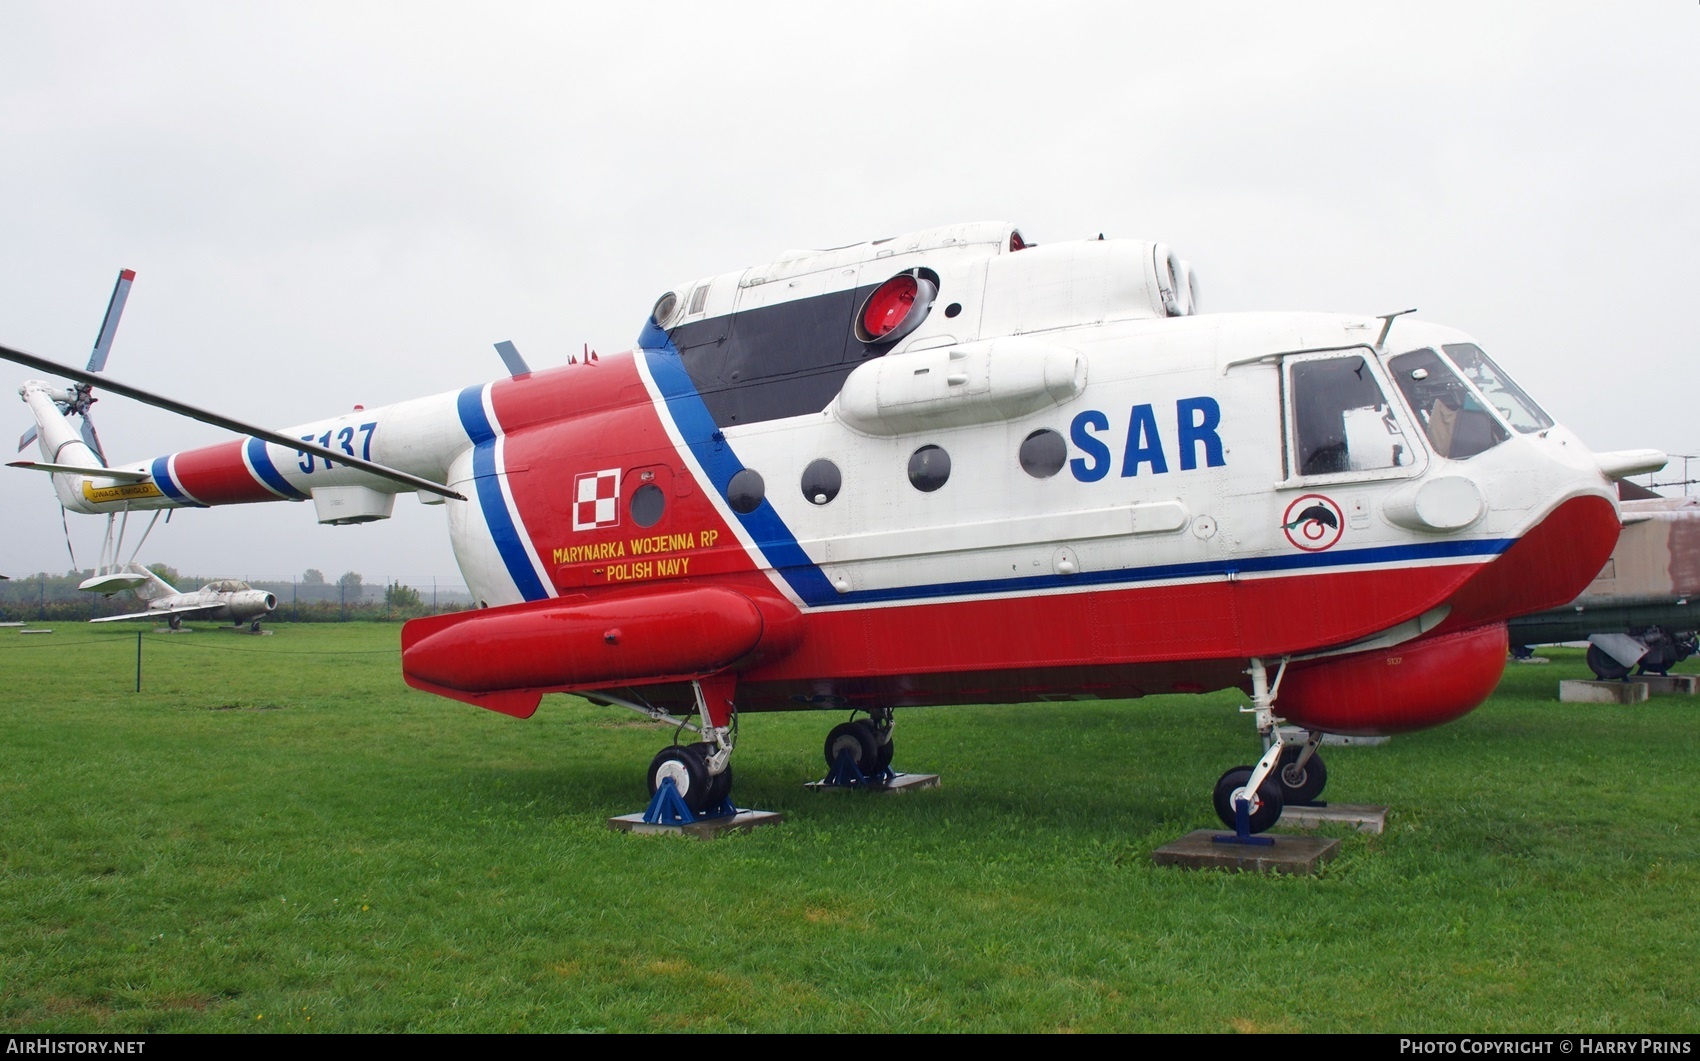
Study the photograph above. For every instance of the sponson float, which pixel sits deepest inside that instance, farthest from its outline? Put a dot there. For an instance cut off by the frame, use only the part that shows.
(952, 467)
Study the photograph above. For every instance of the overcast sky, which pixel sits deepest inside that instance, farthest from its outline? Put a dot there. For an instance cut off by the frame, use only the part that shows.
(350, 202)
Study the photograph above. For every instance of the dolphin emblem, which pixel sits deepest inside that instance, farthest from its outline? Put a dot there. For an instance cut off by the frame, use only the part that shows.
(1320, 513)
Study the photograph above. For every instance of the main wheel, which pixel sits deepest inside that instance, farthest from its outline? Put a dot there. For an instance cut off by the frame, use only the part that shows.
(719, 785)
(684, 764)
(1265, 807)
(719, 788)
(883, 759)
(1604, 667)
(860, 740)
(1300, 785)
(174, 622)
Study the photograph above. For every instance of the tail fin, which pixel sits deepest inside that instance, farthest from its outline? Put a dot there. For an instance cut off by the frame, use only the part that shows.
(154, 588)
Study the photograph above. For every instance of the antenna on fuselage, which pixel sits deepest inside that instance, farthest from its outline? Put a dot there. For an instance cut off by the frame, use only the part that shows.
(510, 357)
(1387, 325)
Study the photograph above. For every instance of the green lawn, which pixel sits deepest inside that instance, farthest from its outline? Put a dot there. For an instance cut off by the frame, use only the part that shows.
(277, 834)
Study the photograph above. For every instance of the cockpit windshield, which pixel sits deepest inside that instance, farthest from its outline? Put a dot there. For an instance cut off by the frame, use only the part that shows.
(1518, 409)
(1457, 424)
(227, 585)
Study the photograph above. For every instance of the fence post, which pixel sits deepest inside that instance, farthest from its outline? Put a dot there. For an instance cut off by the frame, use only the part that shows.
(138, 661)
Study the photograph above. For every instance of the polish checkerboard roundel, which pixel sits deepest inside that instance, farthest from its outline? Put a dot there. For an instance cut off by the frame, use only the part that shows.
(596, 500)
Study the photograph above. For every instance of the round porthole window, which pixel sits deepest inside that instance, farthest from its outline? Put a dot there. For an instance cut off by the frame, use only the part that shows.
(746, 490)
(1043, 453)
(648, 503)
(929, 467)
(821, 481)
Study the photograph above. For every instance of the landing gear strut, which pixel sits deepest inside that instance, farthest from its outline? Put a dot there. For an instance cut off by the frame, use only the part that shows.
(691, 781)
(1249, 799)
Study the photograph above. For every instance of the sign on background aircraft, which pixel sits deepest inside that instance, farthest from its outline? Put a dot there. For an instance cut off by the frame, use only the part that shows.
(951, 467)
(226, 600)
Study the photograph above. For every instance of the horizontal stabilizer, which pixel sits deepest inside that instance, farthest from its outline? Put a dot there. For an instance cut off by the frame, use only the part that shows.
(92, 473)
(112, 582)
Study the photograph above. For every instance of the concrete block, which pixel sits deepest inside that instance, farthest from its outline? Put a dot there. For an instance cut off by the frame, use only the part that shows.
(1362, 817)
(1675, 685)
(1581, 692)
(1289, 854)
(900, 783)
(742, 822)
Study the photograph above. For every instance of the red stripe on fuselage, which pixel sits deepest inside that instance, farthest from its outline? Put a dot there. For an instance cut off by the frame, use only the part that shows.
(567, 422)
(215, 475)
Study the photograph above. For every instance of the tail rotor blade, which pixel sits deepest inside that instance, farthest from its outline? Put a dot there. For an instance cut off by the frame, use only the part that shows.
(93, 439)
(109, 326)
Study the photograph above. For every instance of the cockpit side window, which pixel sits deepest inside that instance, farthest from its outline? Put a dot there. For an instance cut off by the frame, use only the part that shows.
(1342, 421)
(1457, 425)
(1518, 409)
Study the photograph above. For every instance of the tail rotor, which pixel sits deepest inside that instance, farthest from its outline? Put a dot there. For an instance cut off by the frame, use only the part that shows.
(80, 397)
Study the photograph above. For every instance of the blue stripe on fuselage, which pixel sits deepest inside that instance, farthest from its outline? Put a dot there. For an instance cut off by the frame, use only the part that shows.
(714, 453)
(503, 530)
(161, 472)
(261, 462)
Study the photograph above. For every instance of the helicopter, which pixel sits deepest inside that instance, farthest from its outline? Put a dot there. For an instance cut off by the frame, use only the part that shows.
(954, 467)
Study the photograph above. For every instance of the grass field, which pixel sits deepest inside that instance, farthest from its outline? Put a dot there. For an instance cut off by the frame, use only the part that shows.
(276, 834)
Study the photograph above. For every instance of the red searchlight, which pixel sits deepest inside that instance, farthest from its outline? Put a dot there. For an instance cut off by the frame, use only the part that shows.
(896, 308)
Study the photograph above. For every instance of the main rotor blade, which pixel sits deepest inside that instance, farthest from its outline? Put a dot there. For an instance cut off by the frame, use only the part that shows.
(113, 386)
(109, 326)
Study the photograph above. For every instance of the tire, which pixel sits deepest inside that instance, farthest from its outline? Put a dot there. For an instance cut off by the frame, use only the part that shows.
(1302, 787)
(1266, 810)
(684, 764)
(860, 740)
(882, 760)
(1604, 667)
(719, 788)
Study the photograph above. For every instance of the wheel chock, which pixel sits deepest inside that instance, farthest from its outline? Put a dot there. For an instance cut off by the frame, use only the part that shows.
(1242, 828)
(667, 807)
(846, 774)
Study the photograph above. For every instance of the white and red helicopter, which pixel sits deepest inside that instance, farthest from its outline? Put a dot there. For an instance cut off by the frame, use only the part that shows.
(954, 468)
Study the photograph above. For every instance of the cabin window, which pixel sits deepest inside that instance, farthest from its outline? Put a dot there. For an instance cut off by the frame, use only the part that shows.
(1457, 424)
(699, 299)
(647, 505)
(746, 490)
(1342, 421)
(1518, 409)
(929, 468)
(821, 481)
(1043, 453)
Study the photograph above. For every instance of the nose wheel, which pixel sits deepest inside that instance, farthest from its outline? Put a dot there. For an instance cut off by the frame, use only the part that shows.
(1265, 800)
(1301, 779)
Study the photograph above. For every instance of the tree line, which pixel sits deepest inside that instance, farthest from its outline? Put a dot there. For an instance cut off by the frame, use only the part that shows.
(312, 598)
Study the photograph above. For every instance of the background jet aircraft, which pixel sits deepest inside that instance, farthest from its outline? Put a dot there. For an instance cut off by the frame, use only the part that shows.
(228, 598)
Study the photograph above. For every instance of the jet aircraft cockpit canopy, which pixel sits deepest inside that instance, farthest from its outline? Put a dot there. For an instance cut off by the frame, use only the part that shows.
(227, 585)
(1464, 401)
